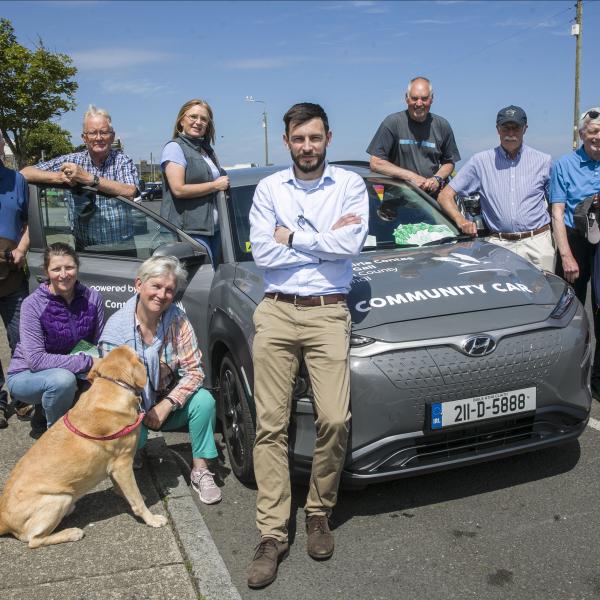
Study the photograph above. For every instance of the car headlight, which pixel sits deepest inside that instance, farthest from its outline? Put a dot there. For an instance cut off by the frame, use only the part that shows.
(564, 303)
(356, 341)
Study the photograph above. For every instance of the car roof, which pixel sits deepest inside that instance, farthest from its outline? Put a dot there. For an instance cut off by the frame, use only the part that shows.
(252, 175)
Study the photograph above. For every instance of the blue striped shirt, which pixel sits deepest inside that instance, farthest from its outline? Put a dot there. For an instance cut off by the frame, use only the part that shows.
(320, 260)
(513, 192)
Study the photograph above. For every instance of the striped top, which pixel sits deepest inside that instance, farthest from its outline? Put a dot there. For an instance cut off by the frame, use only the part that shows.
(513, 191)
(180, 352)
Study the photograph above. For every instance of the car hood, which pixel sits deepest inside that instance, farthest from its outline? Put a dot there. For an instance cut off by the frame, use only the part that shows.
(406, 284)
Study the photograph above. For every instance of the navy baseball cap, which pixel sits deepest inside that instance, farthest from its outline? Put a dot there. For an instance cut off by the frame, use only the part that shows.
(511, 114)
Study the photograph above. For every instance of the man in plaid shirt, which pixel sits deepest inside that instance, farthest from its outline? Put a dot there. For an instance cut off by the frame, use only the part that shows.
(96, 219)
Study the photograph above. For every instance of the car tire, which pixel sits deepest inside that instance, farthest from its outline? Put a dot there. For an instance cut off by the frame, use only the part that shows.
(237, 421)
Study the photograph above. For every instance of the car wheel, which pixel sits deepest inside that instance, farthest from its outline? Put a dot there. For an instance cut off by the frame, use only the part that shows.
(238, 425)
(151, 197)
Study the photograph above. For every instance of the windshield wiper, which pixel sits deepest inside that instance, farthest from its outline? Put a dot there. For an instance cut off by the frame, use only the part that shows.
(449, 238)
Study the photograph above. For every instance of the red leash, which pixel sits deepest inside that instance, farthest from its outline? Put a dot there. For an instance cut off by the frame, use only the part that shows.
(112, 436)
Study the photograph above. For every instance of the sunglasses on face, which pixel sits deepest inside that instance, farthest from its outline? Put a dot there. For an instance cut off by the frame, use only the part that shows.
(592, 114)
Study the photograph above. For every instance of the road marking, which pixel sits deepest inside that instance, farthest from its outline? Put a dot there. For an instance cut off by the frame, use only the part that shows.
(594, 424)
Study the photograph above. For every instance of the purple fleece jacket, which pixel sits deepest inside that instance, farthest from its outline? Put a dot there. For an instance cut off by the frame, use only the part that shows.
(50, 328)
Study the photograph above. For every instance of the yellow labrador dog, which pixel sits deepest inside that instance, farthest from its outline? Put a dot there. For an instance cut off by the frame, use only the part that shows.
(98, 438)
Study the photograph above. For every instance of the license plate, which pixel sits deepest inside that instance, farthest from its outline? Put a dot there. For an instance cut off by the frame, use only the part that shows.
(468, 410)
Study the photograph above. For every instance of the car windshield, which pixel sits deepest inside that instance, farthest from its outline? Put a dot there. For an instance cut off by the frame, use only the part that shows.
(399, 216)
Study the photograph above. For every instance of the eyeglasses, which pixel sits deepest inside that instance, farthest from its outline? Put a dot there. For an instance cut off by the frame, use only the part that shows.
(592, 114)
(194, 118)
(102, 133)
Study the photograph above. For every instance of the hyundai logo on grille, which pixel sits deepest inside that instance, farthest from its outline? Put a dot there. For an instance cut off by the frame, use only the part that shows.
(479, 345)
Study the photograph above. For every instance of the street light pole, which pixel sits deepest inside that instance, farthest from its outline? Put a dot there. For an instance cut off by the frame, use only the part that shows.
(265, 125)
(576, 30)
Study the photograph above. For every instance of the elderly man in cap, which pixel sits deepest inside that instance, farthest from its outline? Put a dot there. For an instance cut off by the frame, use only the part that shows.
(512, 181)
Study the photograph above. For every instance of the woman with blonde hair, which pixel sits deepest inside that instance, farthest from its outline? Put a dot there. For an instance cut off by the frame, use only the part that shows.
(192, 175)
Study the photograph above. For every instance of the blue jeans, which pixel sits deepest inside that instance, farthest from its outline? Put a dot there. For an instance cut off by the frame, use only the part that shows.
(10, 311)
(54, 388)
(212, 243)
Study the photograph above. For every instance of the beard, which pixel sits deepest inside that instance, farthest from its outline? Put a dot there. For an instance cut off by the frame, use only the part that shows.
(314, 165)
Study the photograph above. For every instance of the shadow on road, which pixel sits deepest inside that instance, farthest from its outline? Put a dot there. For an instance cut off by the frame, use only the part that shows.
(405, 494)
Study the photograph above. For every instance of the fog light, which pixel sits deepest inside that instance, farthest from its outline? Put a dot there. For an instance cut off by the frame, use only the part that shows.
(356, 341)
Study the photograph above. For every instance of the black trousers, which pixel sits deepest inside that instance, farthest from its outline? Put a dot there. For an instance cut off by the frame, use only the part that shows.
(584, 254)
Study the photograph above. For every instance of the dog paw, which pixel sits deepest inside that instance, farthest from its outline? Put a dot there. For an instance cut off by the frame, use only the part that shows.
(156, 521)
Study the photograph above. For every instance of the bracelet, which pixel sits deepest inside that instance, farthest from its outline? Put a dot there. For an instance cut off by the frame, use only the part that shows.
(439, 179)
(174, 405)
(290, 239)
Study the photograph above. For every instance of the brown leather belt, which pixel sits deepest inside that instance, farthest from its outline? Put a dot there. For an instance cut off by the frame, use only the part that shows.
(307, 300)
(513, 237)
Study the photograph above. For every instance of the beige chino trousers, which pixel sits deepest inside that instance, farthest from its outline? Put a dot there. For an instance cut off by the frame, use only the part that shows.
(286, 334)
(538, 250)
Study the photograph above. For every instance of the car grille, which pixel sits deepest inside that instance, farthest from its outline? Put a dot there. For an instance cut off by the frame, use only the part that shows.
(476, 441)
(441, 373)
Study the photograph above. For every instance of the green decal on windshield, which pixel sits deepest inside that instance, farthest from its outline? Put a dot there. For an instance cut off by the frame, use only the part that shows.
(420, 233)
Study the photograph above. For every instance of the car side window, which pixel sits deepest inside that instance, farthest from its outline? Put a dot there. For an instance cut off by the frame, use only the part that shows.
(240, 205)
(98, 224)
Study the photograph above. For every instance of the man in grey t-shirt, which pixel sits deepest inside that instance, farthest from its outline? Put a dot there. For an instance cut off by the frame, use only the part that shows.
(415, 145)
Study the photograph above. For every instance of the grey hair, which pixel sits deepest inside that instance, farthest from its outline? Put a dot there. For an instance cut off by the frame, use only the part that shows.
(585, 120)
(94, 111)
(415, 79)
(159, 266)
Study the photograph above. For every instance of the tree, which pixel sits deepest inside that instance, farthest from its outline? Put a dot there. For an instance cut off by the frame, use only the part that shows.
(35, 86)
(47, 140)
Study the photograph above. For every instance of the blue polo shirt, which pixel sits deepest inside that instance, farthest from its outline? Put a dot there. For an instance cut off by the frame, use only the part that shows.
(14, 199)
(574, 176)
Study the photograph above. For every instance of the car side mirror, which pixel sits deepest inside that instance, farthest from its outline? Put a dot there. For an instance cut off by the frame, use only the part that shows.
(184, 251)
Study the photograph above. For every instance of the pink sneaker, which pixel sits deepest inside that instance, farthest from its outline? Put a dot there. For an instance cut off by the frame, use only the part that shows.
(203, 482)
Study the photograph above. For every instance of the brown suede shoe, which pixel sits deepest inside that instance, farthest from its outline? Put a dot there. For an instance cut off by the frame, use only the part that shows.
(267, 556)
(320, 539)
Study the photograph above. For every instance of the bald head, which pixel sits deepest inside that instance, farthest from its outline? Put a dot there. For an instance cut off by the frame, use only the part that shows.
(419, 98)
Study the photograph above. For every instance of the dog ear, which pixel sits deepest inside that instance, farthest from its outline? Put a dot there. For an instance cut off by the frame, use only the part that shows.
(93, 372)
(139, 374)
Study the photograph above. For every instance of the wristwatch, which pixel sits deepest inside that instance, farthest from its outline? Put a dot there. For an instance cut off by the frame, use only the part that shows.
(440, 180)
(290, 239)
(96, 182)
(174, 405)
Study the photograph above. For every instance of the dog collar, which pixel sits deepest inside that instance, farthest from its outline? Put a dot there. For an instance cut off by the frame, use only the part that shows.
(113, 436)
(131, 388)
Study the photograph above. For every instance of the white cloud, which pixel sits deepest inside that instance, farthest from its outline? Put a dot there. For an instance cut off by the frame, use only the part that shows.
(264, 63)
(142, 88)
(117, 58)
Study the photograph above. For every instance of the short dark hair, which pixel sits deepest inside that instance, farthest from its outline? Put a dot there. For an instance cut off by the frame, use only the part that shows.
(303, 112)
(59, 249)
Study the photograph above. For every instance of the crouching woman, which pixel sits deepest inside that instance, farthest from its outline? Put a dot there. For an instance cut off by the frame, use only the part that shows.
(165, 342)
(58, 315)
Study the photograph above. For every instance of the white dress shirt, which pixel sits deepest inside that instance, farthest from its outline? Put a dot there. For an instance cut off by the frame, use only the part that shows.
(319, 261)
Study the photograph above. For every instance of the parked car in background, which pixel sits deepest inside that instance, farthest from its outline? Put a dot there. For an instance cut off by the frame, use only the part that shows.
(461, 351)
(152, 191)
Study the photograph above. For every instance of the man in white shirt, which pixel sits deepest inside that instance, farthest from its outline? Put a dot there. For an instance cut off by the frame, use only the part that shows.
(306, 223)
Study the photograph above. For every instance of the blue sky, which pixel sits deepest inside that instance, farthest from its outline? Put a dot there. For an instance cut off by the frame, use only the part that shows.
(142, 60)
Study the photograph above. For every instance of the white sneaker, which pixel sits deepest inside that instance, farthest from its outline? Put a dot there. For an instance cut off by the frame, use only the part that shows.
(203, 482)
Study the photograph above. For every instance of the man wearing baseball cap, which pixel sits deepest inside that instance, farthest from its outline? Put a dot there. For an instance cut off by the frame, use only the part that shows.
(512, 181)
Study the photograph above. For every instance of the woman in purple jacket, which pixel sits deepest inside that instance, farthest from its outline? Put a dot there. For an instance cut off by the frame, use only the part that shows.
(54, 319)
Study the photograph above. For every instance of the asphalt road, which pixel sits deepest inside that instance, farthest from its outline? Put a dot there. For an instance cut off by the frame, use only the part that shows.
(519, 528)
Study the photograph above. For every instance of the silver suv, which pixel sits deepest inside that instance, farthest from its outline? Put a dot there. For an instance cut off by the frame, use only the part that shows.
(461, 351)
